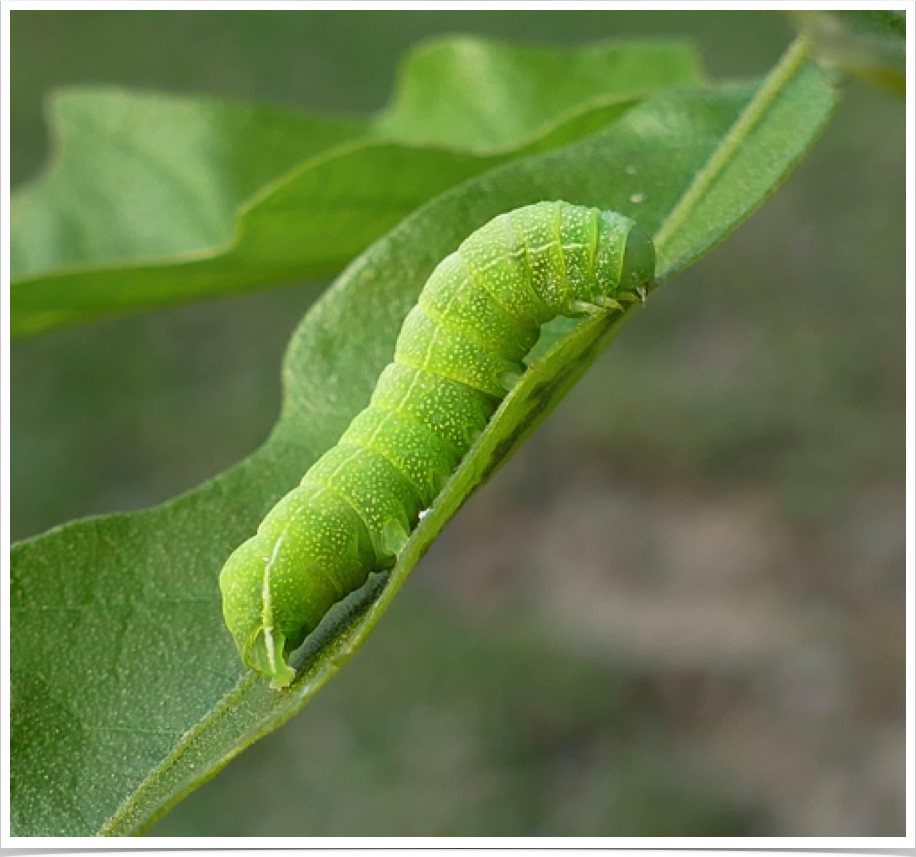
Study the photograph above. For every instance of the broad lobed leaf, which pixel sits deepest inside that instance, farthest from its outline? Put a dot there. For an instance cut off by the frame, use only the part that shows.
(153, 199)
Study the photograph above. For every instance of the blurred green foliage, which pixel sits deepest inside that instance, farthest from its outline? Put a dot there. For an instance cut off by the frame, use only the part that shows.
(870, 44)
(778, 359)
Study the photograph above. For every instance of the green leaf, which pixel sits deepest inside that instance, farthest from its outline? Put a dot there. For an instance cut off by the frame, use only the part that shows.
(152, 200)
(870, 44)
(128, 692)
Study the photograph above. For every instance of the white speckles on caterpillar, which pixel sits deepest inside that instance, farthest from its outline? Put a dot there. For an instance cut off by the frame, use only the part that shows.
(458, 354)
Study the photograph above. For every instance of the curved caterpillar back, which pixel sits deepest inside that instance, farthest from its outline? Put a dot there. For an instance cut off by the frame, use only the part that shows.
(458, 354)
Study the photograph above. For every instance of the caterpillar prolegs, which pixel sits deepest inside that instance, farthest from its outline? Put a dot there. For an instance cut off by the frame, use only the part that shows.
(458, 354)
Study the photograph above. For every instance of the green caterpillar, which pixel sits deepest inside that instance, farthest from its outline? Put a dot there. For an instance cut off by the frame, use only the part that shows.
(458, 354)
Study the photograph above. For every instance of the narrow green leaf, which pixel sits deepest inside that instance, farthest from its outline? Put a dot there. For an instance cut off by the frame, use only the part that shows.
(153, 200)
(127, 689)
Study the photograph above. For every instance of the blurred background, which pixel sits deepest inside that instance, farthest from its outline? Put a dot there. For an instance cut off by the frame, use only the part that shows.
(678, 611)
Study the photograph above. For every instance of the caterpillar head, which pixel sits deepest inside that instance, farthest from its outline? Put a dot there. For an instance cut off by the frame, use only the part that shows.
(638, 272)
